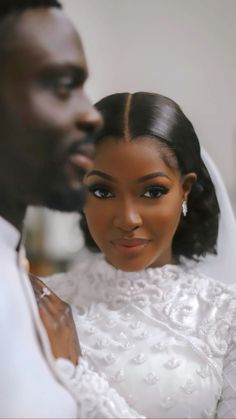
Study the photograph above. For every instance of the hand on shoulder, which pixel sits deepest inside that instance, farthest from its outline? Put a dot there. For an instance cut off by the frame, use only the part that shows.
(57, 319)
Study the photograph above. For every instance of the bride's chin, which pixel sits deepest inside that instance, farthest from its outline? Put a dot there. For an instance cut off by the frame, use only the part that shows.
(127, 266)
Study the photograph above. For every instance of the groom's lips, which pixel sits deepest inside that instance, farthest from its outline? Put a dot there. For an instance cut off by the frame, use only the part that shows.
(81, 161)
(76, 167)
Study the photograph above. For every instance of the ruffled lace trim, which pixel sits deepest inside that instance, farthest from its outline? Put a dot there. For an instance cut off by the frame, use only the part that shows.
(95, 398)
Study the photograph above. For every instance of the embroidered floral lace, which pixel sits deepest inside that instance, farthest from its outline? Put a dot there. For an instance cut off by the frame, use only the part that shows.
(160, 342)
(95, 398)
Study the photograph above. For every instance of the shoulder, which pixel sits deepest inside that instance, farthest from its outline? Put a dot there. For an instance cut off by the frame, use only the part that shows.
(214, 304)
(212, 292)
(206, 281)
(75, 285)
(86, 261)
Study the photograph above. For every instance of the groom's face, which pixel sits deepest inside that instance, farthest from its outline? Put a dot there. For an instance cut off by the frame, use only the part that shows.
(46, 118)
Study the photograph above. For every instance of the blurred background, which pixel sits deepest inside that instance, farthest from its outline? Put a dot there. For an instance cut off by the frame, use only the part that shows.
(184, 49)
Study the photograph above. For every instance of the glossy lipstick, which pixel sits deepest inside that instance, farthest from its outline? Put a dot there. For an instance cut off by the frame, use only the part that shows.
(129, 246)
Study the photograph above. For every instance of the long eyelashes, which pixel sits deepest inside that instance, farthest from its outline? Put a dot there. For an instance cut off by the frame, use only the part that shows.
(152, 192)
(155, 191)
(100, 191)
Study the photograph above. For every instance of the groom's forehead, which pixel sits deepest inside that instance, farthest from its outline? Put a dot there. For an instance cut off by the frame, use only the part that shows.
(38, 37)
(12, 10)
(17, 16)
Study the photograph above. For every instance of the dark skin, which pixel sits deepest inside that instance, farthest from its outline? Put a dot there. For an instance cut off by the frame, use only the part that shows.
(134, 203)
(45, 113)
(57, 318)
(46, 120)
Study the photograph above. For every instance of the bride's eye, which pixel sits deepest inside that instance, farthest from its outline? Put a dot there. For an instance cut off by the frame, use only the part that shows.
(100, 192)
(153, 192)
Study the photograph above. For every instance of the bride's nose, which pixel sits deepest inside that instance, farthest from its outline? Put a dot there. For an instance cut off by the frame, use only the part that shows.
(127, 216)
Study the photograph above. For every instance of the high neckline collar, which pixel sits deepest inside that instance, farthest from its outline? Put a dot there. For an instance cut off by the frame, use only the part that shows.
(9, 234)
(184, 265)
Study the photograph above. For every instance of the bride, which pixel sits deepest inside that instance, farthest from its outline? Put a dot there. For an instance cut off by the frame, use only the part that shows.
(153, 292)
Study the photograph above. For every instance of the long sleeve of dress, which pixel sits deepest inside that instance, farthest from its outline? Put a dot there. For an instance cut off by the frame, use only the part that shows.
(95, 398)
(227, 404)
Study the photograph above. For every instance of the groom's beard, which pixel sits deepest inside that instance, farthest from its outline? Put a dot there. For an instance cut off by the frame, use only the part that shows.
(63, 197)
(66, 200)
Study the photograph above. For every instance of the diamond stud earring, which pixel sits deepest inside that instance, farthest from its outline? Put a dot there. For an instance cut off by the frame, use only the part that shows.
(184, 208)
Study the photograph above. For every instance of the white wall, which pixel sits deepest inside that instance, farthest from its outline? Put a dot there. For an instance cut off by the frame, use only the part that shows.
(185, 49)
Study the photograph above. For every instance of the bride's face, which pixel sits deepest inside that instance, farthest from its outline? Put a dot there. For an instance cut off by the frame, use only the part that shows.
(134, 203)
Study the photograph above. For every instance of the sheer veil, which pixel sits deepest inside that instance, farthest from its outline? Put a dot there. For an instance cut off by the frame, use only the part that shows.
(223, 265)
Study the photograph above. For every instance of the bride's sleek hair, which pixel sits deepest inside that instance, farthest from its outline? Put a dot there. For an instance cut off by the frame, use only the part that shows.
(134, 116)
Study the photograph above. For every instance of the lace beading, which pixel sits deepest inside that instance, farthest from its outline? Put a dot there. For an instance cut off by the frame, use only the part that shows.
(95, 398)
(173, 294)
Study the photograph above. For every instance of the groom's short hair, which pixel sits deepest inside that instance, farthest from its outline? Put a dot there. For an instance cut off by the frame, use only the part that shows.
(11, 8)
(8, 7)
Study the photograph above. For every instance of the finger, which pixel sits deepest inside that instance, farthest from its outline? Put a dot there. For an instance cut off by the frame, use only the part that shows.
(63, 339)
(36, 281)
(50, 323)
(41, 294)
(42, 291)
(58, 309)
(62, 316)
(39, 285)
(37, 292)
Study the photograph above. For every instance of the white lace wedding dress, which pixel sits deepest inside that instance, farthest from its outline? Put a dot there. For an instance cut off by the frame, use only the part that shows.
(163, 338)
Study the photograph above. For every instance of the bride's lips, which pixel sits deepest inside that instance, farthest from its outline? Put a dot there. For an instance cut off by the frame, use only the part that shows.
(130, 245)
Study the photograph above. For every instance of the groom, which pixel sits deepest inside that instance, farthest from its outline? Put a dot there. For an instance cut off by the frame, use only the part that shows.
(45, 125)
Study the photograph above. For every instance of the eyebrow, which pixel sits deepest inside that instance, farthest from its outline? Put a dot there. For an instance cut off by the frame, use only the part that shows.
(100, 174)
(76, 70)
(139, 180)
(151, 176)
